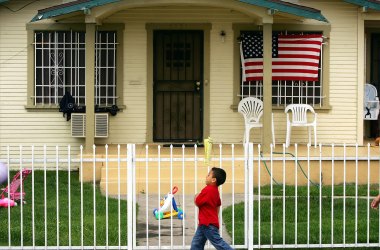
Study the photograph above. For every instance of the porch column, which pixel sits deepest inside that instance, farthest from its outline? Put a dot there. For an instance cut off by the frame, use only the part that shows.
(90, 86)
(267, 82)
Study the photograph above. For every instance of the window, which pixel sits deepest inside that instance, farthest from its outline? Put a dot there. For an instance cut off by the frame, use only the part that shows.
(59, 66)
(105, 68)
(59, 59)
(284, 91)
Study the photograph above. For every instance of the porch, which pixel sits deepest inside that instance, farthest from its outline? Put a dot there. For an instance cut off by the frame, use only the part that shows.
(158, 167)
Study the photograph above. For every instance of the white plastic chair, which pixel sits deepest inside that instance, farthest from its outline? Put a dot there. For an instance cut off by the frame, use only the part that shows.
(371, 103)
(252, 110)
(299, 119)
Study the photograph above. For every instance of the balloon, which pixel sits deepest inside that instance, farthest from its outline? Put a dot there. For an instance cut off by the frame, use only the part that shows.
(3, 173)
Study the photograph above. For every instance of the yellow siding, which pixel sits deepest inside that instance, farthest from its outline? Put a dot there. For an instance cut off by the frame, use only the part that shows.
(338, 125)
(19, 126)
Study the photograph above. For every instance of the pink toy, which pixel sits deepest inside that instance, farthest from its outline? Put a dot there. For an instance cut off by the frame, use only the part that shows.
(14, 189)
(5, 202)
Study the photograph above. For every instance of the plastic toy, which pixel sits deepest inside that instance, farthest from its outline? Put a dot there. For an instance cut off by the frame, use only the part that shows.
(3, 173)
(165, 211)
(15, 189)
(5, 202)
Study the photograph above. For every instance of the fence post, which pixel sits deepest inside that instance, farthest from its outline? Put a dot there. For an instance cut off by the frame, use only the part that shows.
(250, 196)
(130, 195)
(133, 160)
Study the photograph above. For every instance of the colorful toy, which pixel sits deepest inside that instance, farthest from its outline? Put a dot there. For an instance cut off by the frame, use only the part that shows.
(3, 173)
(5, 202)
(165, 211)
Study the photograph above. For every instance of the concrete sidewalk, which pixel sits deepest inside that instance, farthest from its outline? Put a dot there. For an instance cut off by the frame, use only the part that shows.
(159, 231)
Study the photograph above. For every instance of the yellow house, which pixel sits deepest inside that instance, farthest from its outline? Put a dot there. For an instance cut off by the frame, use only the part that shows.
(171, 70)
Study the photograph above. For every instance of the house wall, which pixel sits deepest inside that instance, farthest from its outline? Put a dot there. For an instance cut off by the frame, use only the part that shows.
(343, 122)
(343, 117)
(19, 125)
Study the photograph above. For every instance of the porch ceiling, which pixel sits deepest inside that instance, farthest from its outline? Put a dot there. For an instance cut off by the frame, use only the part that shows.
(273, 6)
(370, 4)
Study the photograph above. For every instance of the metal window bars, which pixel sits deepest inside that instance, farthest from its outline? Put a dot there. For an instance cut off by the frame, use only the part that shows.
(60, 62)
(289, 92)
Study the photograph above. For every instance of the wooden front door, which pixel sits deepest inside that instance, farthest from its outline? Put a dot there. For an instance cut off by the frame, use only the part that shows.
(178, 85)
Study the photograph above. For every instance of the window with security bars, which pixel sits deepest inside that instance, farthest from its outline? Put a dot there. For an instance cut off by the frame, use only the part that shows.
(285, 90)
(105, 68)
(60, 66)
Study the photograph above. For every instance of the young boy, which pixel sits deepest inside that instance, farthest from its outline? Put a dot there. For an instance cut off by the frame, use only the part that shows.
(208, 202)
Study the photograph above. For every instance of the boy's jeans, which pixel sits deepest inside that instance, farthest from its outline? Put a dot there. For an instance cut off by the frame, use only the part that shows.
(210, 233)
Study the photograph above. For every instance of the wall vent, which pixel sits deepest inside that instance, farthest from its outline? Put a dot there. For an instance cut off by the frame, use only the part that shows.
(101, 125)
(78, 125)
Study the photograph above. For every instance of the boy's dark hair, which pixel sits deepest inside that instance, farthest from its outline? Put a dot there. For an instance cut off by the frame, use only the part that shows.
(219, 174)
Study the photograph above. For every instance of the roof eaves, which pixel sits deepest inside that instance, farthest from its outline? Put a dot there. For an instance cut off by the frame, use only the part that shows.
(70, 7)
(371, 4)
(83, 5)
(290, 8)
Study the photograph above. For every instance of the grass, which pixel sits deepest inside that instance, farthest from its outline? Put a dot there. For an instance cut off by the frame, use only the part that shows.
(265, 218)
(302, 217)
(51, 207)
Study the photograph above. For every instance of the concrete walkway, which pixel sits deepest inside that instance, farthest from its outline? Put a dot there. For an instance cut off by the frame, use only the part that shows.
(159, 231)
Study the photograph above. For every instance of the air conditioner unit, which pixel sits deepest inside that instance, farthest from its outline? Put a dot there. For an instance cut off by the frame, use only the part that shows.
(78, 125)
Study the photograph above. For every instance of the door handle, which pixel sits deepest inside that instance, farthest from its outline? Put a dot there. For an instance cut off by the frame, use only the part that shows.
(198, 83)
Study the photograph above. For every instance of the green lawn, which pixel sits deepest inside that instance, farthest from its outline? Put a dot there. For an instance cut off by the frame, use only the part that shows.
(63, 214)
(302, 217)
(227, 215)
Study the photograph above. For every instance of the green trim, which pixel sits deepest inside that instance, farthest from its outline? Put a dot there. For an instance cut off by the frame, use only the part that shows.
(3, 1)
(294, 9)
(68, 8)
(371, 4)
(272, 5)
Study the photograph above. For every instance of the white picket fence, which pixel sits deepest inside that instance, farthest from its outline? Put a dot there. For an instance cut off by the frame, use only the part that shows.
(279, 200)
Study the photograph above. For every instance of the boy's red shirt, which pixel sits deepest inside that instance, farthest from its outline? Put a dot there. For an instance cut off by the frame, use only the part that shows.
(208, 201)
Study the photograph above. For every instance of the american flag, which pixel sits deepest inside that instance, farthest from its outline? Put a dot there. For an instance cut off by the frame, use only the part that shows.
(294, 57)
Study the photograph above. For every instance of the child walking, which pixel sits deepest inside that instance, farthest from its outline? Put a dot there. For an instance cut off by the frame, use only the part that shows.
(208, 202)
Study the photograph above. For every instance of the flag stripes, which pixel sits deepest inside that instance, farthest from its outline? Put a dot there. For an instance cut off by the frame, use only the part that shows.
(294, 57)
